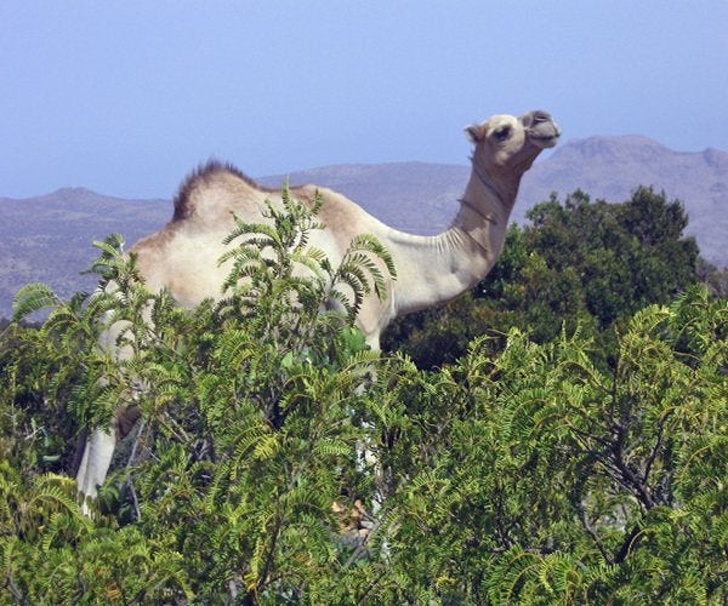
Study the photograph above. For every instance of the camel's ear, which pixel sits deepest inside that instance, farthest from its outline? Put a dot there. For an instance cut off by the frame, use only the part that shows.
(474, 133)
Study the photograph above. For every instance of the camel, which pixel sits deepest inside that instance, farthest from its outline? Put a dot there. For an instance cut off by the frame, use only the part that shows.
(431, 270)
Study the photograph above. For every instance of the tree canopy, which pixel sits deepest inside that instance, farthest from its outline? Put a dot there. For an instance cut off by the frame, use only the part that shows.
(577, 262)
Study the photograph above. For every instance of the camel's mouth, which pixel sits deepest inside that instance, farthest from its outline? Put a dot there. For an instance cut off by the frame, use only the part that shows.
(545, 142)
(542, 130)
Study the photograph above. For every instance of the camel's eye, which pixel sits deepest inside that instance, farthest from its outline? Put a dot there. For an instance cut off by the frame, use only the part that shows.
(502, 133)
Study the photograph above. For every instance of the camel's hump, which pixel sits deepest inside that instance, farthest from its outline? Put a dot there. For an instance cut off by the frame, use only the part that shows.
(208, 175)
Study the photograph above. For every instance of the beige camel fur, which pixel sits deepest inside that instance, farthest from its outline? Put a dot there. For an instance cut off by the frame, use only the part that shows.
(431, 270)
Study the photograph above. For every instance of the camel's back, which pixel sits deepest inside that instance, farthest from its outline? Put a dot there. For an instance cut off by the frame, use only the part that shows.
(210, 195)
(184, 255)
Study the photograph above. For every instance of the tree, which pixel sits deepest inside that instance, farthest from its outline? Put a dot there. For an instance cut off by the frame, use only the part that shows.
(523, 472)
(578, 263)
(537, 476)
(247, 437)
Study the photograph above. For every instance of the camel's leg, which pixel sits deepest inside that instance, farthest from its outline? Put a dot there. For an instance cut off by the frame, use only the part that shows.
(101, 443)
(95, 463)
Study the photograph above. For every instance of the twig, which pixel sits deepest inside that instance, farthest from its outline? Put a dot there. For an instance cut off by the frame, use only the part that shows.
(132, 456)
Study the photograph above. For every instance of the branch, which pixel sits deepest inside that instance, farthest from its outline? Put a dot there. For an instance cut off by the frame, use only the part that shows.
(592, 458)
(132, 456)
(628, 476)
(16, 593)
(593, 533)
(658, 443)
(270, 556)
(626, 546)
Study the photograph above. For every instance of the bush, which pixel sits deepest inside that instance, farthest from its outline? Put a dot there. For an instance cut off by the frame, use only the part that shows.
(526, 473)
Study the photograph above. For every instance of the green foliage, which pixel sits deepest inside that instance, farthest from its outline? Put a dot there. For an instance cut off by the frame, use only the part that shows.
(578, 263)
(629, 255)
(540, 477)
(525, 471)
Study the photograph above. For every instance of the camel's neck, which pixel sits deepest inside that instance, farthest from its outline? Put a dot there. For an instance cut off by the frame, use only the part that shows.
(433, 270)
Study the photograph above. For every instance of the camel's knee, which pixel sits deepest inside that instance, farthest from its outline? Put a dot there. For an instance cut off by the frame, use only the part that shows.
(125, 419)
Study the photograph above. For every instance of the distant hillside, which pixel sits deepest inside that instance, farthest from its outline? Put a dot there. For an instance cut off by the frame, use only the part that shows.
(411, 196)
(48, 238)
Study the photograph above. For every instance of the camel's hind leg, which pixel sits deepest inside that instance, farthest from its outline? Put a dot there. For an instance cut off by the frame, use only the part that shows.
(95, 463)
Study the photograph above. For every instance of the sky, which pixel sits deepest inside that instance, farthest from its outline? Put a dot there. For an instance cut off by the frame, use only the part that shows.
(126, 97)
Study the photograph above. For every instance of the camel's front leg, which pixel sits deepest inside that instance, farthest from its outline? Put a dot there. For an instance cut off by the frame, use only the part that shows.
(95, 463)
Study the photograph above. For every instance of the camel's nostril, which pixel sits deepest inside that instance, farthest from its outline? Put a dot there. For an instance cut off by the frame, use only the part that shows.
(539, 116)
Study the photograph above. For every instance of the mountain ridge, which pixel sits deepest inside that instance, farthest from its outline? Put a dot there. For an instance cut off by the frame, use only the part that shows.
(48, 237)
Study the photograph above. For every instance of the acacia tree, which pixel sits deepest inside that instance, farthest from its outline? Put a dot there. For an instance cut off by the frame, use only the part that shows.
(538, 476)
(247, 438)
(523, 473)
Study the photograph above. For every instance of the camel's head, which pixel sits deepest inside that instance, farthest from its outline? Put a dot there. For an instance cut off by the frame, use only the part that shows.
(508, 145)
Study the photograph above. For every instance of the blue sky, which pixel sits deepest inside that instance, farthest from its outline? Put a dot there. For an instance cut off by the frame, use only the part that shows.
(126, 97)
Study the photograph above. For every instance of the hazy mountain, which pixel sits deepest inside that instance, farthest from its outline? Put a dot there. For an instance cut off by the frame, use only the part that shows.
(611, 168)
(48, 238)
